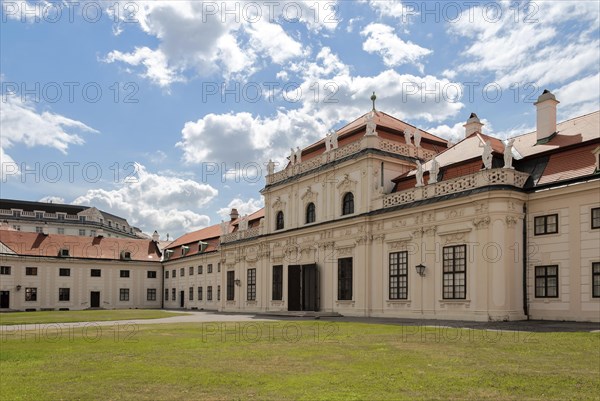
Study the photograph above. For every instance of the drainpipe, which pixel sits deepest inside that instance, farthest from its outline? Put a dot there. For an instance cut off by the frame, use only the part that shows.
(525, 302)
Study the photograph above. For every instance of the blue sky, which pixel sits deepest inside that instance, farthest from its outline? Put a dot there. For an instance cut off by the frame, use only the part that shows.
(164, 112)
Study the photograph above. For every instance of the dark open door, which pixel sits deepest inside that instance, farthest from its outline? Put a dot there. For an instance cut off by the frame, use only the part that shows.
(181, 299)
(294, 288)
(95, 299)
(4, 299)
(310, 288)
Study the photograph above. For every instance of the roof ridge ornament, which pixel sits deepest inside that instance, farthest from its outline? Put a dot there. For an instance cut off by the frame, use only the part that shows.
(373, 98)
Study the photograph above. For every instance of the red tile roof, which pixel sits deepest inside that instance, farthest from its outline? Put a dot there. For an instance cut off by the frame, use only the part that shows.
(34, 244)
(388, 127)
(568, 164)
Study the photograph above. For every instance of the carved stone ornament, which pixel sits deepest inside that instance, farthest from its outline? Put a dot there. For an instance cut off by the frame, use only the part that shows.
(309, 195)
(481, 223)
(346, 184)
(511, 221)
(278, 204)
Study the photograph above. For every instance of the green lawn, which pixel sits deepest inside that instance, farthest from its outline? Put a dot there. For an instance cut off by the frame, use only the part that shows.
(297, 361)
(82, 316)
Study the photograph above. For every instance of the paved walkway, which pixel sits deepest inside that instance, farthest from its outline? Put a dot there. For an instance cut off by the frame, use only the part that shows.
(186, 317)
(539, 326)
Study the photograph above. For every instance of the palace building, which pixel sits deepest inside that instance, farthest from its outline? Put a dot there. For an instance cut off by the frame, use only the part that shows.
(384, 219)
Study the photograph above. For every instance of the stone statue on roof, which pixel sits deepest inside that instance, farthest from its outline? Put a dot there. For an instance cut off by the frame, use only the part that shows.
(434, 170)
(333, 139)
(298, 155)
(508, 156)
(224, 228)
(417, 137)
(487, 155)
(270, 167)
(292, 156)
(419, 174)
(371, 126)
(243, 225)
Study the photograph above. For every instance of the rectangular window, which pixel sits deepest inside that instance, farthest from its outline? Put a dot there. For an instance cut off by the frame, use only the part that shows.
(209, 268)
(64, 294)
(173, 273)
(166, 294)
(5, 270)
(61, 231)
(31, 271)
(16, 227)
(191, 270)
(546, 281)
(173, 294)
(345, 279)
(219, 267)
(166, 274)
(82, 219)
(596, 218)
(596, 279)
(277, 283)
(218, 293)
(96, 273)
(455, 272)
(546, 224)
(182, 272)
(64, 272)
(200, 269)
(151, 294)
(39, 230)
(123, 294)
(124, 273)
(251, 288)
(92, 233)
(151, 274)
(399, 275)
(82, 233)
(191, 294)
(39, 215)
(199, 293)
(209, 293)
(30, 294)
(230, 285)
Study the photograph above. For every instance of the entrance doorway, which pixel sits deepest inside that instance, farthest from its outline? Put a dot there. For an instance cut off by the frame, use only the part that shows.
(303, 288)
(181, 299)
(95, 299)
(5, 299)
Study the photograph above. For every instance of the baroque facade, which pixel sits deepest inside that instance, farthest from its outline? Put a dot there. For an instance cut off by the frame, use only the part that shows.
(387, 220)
(383, 219)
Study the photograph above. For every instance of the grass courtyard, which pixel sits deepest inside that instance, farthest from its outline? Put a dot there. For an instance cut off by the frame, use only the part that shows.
(290, 360)
(81, 316)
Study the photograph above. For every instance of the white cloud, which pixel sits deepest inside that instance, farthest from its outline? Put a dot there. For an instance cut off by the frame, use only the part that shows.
(52, 199)
(382, 40)
(20, 123)
(579, 97)
(154, 202)
(529, 48)
(243, 207)
(259, 138)
(8, 167)
(155, 62)
(390, 8)
(207, 38)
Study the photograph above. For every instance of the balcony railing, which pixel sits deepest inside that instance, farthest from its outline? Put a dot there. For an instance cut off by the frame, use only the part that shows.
(496, 176)
(372, 142)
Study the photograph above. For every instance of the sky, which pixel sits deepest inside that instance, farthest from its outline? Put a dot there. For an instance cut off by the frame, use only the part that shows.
(166, 112)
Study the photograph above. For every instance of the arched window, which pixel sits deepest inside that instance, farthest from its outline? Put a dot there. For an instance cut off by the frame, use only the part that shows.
(279, 221)
(310, 213)
(348, 204)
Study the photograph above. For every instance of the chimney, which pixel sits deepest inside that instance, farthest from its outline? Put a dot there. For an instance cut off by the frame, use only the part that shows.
(155, 236)
(234, 214)
(546, 116)
(473, 125)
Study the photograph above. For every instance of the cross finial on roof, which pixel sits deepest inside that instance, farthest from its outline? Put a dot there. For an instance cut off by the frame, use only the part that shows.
(373, 98)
